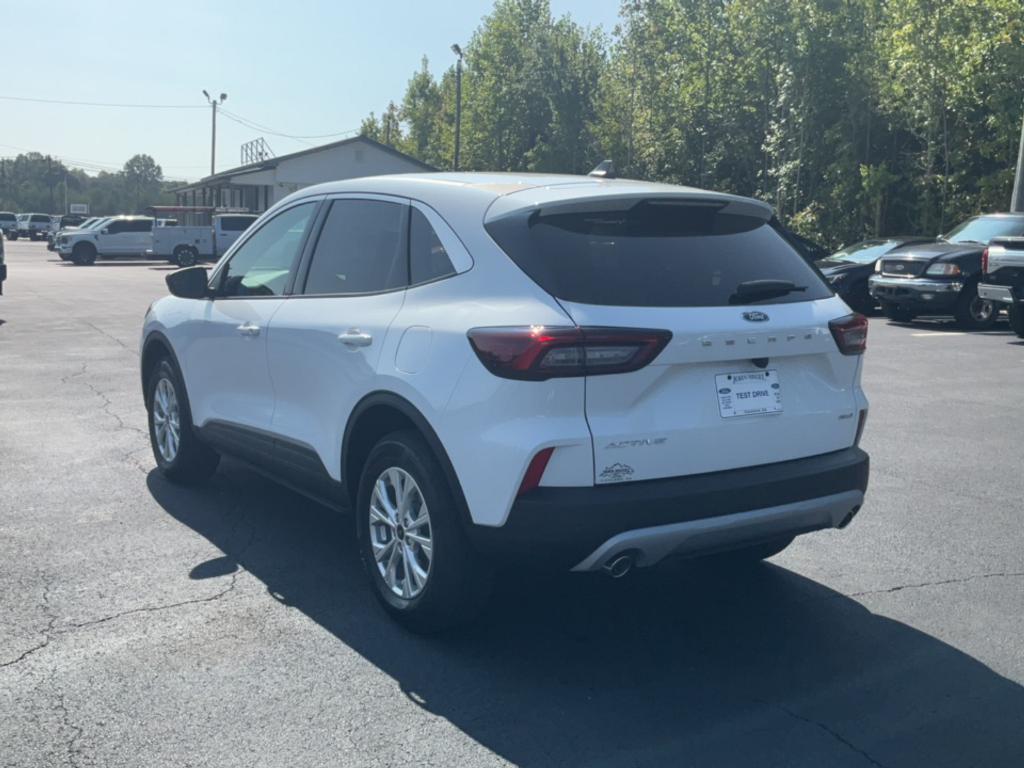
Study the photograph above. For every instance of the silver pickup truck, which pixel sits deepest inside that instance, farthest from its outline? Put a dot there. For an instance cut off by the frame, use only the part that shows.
(1002, 264)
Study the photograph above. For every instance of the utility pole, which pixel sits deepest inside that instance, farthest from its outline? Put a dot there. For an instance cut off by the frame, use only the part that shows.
(458, 102)
(1017, 200)
(214, 103)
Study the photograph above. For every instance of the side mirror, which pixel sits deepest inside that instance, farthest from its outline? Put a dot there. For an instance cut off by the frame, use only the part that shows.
(189, 283)
(104, 231)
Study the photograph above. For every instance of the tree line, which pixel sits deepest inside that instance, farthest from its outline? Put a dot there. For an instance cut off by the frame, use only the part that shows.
(852, 117)
(33, 182)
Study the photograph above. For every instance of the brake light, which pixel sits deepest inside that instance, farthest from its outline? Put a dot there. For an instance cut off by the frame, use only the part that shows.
(850, 333)
(535, 471)
(984, 261)
(537, 353)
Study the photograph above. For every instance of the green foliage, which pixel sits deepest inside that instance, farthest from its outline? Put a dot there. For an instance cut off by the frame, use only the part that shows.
(852, 117)
(37, 183)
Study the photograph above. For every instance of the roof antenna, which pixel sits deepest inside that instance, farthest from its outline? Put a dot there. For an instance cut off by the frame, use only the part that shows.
(604, 170)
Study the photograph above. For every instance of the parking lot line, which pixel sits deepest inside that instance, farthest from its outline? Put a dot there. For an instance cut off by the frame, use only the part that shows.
(933, 334)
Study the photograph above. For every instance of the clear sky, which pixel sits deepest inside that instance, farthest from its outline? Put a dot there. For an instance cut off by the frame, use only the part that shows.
(301, 67)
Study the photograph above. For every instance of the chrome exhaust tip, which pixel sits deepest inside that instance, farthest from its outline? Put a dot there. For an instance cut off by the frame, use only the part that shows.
(619, 565)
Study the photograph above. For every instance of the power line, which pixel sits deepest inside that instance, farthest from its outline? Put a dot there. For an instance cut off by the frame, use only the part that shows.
(267, 129)
(102, 104)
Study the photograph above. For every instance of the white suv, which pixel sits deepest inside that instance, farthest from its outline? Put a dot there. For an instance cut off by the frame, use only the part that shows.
(590, 372)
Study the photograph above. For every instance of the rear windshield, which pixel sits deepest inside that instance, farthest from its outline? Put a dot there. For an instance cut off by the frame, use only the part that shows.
(8, 217)
(653, 254)
(38, 217)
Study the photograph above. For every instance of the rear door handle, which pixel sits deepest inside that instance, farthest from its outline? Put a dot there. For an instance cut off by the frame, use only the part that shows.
(353, 337)
(249, 329)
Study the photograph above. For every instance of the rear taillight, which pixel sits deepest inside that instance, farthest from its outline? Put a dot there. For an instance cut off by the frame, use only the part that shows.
(850, 333)
(537, 353)
(984, 261)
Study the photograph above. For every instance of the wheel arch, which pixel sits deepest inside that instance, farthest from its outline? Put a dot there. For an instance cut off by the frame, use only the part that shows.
(376, 415)
(154, 348)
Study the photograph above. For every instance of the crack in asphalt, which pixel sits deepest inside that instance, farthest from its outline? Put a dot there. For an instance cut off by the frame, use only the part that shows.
(70, 748)
(113, 338)
(939, 583)
(827, 729)
(47, 633)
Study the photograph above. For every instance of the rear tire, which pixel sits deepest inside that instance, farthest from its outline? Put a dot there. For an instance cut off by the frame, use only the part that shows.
(896, 313)
(425, 588)
(12, 236)
(84, 254)
(973, 312)
(184, 256)
(1016, 313)
(180, 456)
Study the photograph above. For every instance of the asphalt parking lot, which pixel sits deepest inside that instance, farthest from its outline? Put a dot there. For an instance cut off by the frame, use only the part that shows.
(149, 625)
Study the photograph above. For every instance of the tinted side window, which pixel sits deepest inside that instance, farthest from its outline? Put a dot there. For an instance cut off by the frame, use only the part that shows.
(428, 260)
(116, 227)
(262, 265)
(236, 223)
(140, 225)
(361, 249)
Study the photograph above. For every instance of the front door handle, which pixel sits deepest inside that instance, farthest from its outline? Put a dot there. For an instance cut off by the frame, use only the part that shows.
(353, 337)
(249, 329)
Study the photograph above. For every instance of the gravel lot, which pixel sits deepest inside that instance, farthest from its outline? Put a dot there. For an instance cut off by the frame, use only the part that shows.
(147, 625)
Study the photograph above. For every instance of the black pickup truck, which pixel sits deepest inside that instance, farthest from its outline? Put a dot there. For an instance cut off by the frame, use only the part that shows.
(942, 277)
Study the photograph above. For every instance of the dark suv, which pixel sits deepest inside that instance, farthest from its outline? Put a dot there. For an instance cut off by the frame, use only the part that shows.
(941, 278)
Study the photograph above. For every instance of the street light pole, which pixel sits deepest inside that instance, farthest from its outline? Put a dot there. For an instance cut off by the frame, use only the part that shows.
(1017, 200)
(214, 103)
(458, 102)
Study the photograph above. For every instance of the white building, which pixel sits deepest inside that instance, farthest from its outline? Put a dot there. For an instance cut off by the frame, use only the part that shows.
(260, 185)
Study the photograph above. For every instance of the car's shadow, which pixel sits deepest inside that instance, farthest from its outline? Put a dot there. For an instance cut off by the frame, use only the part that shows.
(695, 665)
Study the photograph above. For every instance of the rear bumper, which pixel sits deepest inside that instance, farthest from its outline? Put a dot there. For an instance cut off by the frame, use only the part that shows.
(1001, 293)
(915, 292)
(582, 528)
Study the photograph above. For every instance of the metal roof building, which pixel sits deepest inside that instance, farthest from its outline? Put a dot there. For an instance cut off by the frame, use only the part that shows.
(259, 185)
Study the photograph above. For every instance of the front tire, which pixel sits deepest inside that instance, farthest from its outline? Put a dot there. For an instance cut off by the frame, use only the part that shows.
(1016, 313)
(420, 562)
(180, 456)
(973, 312)
(83, 254)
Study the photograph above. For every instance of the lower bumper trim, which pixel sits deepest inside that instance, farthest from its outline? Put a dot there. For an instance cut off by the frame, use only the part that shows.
(651, 545)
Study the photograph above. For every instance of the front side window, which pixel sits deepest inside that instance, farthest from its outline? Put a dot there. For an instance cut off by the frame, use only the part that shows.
(428, 259)
(117, 227)
(361, 249)
(264, 262)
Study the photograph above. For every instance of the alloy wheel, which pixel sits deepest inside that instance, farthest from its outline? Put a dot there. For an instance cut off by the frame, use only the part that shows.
(400, 533)
(166, 420)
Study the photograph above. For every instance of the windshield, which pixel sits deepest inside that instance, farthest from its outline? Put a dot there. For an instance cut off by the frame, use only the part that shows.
(983, 228)
(866, 252)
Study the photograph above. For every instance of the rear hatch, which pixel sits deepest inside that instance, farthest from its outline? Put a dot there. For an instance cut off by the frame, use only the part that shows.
(748, 377)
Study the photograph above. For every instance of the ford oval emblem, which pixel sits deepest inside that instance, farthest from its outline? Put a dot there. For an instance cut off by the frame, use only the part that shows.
(755, 317)
(724, 391)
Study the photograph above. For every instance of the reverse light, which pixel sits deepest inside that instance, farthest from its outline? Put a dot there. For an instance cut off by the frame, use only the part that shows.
(538, 353)
(948, 270)
(535, 471)
(850, 333)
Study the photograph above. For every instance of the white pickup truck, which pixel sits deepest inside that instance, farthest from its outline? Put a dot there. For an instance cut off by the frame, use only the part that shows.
(186, 245)
(1002, 281)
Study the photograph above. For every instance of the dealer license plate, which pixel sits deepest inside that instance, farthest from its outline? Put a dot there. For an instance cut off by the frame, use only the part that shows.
(748, 393)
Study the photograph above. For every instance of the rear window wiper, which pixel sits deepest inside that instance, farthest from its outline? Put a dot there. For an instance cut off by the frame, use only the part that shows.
(755, 290)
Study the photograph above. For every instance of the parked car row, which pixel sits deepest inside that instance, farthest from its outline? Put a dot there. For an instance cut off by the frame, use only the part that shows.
(150, 237)
(952, 275)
